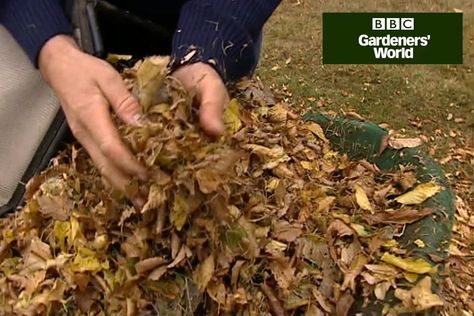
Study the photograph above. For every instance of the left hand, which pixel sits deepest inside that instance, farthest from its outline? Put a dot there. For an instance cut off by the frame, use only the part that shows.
(205, 84)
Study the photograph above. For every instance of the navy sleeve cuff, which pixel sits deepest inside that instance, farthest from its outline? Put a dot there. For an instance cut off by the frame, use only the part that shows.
(223, 33)
(33, 22)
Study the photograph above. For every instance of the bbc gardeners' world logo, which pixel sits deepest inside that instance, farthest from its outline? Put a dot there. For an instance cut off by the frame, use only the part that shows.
(392, 38)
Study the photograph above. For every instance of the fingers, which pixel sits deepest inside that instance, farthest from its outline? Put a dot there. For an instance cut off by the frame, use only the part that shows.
(97, 121)
(124, 104)
(206, 84)
(212, 97)
(115, 176)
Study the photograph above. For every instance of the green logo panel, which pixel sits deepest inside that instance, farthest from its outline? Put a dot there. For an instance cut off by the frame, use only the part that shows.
(392, 38)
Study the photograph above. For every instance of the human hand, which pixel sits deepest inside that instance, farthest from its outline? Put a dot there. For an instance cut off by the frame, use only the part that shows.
(86, 86)
(205, 84)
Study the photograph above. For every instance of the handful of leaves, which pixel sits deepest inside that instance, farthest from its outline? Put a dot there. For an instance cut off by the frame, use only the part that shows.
(269, 219)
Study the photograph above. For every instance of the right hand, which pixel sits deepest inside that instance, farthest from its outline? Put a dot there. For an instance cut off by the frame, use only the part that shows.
(86, 86)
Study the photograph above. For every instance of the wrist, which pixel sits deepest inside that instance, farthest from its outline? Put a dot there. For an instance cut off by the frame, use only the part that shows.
(57, 46)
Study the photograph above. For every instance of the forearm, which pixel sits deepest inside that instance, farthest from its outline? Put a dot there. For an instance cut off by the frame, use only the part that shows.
(223, 33)
(33, 22)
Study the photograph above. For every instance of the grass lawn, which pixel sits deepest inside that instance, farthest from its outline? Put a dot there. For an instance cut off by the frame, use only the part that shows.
(436, 101)
(416, 98)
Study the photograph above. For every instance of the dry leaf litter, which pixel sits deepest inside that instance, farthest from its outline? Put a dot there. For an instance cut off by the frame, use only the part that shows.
(266, 220)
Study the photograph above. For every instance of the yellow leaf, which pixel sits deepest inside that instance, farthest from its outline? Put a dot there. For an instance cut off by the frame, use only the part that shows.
(410, 277)
(86, 260)
(317, 130)
(115, 58)
(362, 199)
(231, 117)
(62, 231)
(419, 194)
(8, 235)
(179, 212)
(391, 243)
(272, 184)
(234, 211)
(344, 217)
(306, 165)
(278, 113)
(418, 265)
(360, 230)
(76, 232)
(203, 274)
(420, 243)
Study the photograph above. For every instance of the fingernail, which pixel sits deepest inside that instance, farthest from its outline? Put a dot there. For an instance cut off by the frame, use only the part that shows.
(137, 119)
(144, 176)
(138, 203)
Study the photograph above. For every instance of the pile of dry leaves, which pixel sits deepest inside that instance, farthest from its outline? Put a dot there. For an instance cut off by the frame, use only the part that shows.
(266, 220)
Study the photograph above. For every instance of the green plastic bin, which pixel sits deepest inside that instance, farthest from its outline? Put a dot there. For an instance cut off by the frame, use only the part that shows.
(363, 140)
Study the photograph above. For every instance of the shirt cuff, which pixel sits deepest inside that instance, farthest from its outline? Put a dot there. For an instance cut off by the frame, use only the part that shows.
(33, 22)
(224, 34)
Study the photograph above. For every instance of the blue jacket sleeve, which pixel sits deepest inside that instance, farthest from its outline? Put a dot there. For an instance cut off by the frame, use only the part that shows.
(223, 33)
(33, 22)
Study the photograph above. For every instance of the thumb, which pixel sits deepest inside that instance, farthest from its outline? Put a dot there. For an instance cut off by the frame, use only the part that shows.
(212, 101)
(124, 104)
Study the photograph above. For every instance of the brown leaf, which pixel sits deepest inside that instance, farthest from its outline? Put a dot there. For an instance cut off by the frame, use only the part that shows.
(175, 244)
(356, 268)
(407, 181)
(150, 76)
(324, 204)
(286, 232)
(85, 299)
(54, 206)
(278, 113)
(182, 254)
(381, 290)
(336, 229)
(236, 271)
(283, 273)
(322, 301)
(146, 265)
(419, 298)
(227, 160)
(380, 195)
(34, 280)
(156, 198)
(401, 216)
(217, 292)
(273, 301)
(399, 143)
(344, 304)
(157, 273)
(203, 273)
(208, 180)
